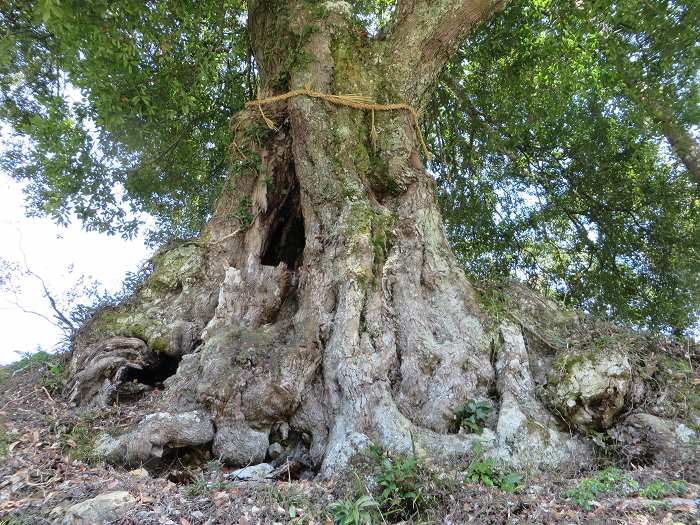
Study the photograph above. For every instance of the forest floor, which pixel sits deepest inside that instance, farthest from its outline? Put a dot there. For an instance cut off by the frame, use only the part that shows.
(46, 469)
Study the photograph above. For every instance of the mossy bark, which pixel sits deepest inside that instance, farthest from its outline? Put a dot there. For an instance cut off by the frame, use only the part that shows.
(323, 295)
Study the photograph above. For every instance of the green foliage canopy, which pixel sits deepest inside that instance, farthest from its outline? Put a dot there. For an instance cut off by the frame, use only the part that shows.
(555, 130)
(553, 167)
(122, 106)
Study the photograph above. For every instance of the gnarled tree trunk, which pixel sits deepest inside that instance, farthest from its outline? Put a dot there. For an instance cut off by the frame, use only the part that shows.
(323, 299)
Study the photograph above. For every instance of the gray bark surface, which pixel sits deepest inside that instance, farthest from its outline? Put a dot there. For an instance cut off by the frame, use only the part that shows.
(323, 300)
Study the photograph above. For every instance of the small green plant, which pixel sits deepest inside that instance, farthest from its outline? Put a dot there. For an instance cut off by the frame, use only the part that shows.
(244, 213)
(295, 501)
(4, 442)
(472, 415)
(198, 487)
(400, 480)
(201, 486)
(481, 470)
(362, 511)
(606, 481)
(79, 443)
(661, 489)
(511, 482)
(53, 378)
(484, 471)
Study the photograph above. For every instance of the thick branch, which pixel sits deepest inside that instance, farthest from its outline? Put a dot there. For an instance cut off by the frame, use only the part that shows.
(682, 142)
(425, 34)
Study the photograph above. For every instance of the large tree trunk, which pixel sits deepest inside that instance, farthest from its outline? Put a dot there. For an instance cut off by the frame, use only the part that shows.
(323, 299)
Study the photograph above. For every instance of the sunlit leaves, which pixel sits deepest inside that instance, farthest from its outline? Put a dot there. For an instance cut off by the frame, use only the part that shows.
(552, 169)
(547, 129)
(149, 87)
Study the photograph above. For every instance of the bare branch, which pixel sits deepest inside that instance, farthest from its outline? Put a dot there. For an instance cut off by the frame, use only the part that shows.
(32, 312)
(62, 321)
(425, 34)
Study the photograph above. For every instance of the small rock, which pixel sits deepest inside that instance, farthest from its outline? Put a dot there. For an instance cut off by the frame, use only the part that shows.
(103, 508)
(535, 490)
(139, 473)
(284, 430)
(252, 473)
(274, 450)
(589, 389)
(197, 515)
(685, 434)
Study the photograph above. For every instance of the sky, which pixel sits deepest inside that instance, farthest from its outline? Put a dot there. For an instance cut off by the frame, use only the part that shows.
(50, 252)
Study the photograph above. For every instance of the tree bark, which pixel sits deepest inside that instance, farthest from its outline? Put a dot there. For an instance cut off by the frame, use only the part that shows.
(323, 298)
(682, 142)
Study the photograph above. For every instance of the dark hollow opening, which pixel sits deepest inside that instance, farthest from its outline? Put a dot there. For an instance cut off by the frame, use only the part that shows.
(287, 239)
(153, 374)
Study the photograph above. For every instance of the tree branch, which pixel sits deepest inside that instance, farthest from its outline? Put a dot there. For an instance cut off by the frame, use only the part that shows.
(425, 34)
(62, 320)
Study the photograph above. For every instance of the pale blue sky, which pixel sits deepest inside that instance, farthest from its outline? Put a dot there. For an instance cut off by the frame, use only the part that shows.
(50, 251)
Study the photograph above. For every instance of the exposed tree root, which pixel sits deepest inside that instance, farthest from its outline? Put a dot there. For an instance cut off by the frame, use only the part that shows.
(323, 298)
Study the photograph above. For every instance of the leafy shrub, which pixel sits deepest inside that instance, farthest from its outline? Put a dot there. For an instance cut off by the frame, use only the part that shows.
(660, 489)
(606, 481)
(472, 415)
(400, 480)
(362, 511)
(54, 370)
(484, 471)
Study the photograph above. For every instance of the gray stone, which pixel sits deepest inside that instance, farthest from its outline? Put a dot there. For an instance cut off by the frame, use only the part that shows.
(238, 444)
(274, 450)
(589, 388)
(252, 473)
(104, 508)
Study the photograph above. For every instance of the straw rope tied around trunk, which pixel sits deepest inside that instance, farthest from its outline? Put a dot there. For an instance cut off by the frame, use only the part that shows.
(351, 101)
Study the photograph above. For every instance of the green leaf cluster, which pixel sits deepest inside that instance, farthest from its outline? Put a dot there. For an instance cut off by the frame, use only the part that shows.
(613, 480)
(361, 511)
(605, 482)
(473, 414)
(122, 107)
(558, 129)
(553, 131)
(485, 471)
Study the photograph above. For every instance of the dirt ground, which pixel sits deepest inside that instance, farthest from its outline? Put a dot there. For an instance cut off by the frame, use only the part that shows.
(46, 467)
